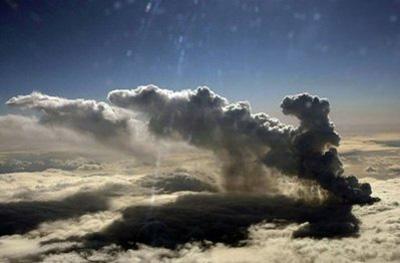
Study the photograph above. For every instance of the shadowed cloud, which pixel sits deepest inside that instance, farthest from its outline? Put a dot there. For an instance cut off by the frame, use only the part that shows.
(22, 217)
(175, 182)
(221, 218)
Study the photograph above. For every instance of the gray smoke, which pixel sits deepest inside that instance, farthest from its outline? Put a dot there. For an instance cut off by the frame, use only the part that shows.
(109, 125)
(249, 143)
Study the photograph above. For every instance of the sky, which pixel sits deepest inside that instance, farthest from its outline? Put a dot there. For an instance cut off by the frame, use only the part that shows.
(260, 51)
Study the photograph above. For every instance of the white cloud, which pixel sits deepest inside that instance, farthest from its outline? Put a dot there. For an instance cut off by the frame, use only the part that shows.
(377, 242)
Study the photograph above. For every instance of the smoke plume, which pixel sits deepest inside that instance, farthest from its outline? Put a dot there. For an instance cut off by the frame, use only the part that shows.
(250, 143)
(111, 126)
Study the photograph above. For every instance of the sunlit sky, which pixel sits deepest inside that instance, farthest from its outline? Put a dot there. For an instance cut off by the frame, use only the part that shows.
(260, 51)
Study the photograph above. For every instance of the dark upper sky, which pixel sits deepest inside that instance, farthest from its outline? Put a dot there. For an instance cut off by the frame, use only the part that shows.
(260, 51)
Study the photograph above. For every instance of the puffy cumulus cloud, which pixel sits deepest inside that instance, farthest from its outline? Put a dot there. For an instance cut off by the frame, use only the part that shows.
(247, 143)
(109, 125)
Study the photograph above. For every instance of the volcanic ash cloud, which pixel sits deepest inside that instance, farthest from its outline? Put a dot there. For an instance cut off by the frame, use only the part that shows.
(111, 126)
(248, 143)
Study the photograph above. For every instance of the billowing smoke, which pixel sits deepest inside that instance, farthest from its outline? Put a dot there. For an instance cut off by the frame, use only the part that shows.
(109, 125)
(250, 143)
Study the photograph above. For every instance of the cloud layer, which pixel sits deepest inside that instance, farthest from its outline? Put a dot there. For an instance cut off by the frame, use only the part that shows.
(82, 216)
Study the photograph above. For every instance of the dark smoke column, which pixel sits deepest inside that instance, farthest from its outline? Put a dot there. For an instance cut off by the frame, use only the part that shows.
(314, 147)
(245, 142)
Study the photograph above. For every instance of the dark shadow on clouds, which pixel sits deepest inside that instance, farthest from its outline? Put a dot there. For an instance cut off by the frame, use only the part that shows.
(221, 218)
(167, 183)
(24, 216)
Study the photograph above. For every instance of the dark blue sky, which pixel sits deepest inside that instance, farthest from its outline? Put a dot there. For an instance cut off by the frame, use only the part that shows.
(260, 51)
